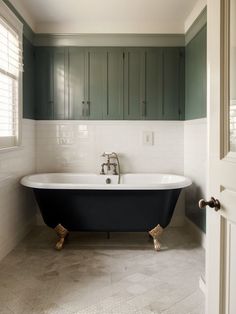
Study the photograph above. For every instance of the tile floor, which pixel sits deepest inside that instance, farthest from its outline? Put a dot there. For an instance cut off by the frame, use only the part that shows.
(93, 274)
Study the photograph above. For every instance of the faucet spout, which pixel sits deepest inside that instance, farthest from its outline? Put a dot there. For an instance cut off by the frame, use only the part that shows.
(109, 164)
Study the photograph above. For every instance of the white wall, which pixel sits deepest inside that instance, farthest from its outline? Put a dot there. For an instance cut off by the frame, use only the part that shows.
(195, 164)
(76, 146)
(105, 16)
(17, 208)
(196, 11)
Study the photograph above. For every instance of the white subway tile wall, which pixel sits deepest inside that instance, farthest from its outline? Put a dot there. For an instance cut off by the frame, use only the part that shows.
(195, 162)
(17, 206)
(76, 146)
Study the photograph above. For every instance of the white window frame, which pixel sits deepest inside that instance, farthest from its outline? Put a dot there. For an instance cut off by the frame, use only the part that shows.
(13, 22)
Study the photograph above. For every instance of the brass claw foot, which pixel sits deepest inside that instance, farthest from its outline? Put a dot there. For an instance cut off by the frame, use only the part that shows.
(155, 233)
(62, 233)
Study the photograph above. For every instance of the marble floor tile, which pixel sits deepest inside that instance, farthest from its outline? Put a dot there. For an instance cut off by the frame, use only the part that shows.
(93, 274)
(193, 304)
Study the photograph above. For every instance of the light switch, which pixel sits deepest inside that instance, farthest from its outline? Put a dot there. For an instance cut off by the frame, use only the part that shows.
(148, 138)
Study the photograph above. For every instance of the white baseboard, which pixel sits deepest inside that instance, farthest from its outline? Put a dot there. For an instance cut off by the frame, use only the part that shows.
(197, 233)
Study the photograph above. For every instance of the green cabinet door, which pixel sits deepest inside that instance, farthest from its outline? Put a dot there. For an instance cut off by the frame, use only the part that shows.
(153, 60)
(96, 83)
(76, 83)
(172, 80)
(43, 83)
(28, 80)
(60, 87)
(113, 107)
(112, 83)
(134, 93)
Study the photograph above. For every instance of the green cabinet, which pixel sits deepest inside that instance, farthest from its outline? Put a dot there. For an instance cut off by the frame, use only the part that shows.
(143, 84)
(109, 83)
(28, 80)
(173, 84)
(43, 84)
(76, 83)
(87, 83)
(134, 84)
(154, 83)
(60, 86)
(96, 83)
(113, 107)
(51, 88)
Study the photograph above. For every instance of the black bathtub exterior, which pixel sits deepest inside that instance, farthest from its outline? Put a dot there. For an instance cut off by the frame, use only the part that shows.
(107, 210)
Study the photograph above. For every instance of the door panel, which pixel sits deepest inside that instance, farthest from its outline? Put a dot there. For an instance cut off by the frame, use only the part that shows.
(97, 83)
(76, 77)
(113, 108)
(228, 200)
(232, 87)
(134, 84)
(221, 225)
(153, 61)
(231, 262)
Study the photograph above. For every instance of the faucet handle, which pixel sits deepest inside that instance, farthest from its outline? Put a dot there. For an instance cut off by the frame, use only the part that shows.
(115, 169)
(102, 170)
(110, 154)
(105, 154)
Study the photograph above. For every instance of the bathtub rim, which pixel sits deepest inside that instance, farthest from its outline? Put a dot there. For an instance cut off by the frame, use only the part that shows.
(25, 181)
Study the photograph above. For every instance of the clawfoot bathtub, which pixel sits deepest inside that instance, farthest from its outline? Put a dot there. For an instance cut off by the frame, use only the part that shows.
(85, 202)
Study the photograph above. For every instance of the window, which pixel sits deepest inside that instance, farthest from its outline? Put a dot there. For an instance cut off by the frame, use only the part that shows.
(10, 77)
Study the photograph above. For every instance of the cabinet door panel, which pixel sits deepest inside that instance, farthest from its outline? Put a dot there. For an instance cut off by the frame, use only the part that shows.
(134, 84)
(76, 77)
(44, 83)
(97, 83)
(113, 108)
(153, 83)
(60, 83)
(172, 84)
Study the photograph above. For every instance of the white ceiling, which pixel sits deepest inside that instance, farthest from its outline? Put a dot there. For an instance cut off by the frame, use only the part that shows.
(106, 16)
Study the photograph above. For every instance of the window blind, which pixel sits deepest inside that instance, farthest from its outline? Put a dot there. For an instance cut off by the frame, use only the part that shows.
(10, 75)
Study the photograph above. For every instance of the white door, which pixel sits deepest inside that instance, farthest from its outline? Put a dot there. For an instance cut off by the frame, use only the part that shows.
(221, 225)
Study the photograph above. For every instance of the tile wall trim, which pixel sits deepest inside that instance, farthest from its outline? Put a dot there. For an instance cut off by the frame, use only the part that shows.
(109, 122)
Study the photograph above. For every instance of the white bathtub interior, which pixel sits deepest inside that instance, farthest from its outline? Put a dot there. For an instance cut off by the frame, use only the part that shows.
(154, 181)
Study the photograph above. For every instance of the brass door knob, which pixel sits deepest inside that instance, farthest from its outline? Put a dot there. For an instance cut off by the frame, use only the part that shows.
(213, 203)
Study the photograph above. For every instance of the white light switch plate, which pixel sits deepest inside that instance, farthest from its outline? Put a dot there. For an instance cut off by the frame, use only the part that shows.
(148, 138)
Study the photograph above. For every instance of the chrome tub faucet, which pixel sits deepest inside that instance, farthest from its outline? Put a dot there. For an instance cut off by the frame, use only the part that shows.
(112, 163)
